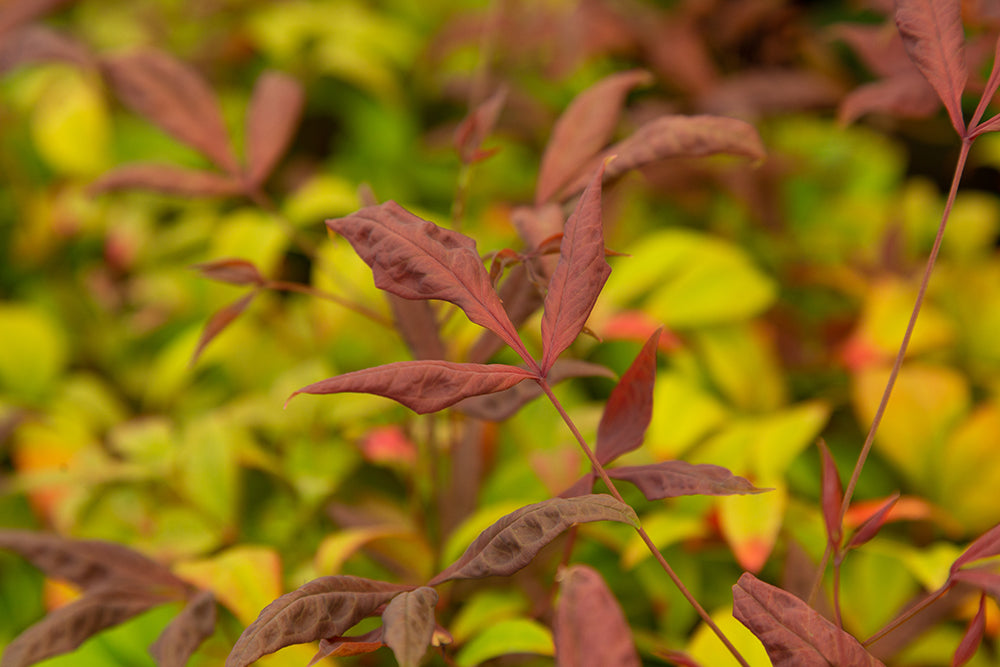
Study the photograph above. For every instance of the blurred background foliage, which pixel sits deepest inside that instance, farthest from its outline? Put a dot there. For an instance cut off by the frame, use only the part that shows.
(785, 288)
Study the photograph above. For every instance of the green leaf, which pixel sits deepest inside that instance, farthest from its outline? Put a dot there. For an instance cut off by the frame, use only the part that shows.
(70, 125)
(33, 351)
(518, 635)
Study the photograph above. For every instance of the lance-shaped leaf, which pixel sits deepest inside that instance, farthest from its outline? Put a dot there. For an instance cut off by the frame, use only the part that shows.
(590, 627)
(478, 125)
(870, 527)
(973, 636)
(408, 622)
(630, 406)
(423, 386)
(794, 634)
(185, 633)
(324, 607)
(89, 563)
(175, 97)
(41, 44)
(985, 579)
(680, 137)
(274, 113)
(167, 179)
(986, 545)
(579, 276)
(416, 322)
(232, 271)
(935, 41)
(511, 543)
(219, 321)
(584, 129)
(832, 494)
(416, 259)
(342, 647)
(669, 479)
(66, 628)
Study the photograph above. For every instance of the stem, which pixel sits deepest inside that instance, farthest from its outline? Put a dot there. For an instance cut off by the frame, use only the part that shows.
(286, 286)
(908, 614)
(836, 592)
(602, 473)
(819, 573)
(880, 412)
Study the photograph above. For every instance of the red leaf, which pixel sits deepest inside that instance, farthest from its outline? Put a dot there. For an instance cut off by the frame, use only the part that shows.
(342, 647)
(983, 578)
(178, 642)
(219, 321)
(985, 546)
(935, 41)
(416, 259)
(408, 623)
(906, 95)
(423, 386)
(417, 324)
(511, 543)
(832, 494)
(583, 130)
(13, 14)
(478, 125)
(175, 97)
(324, 607)
(579, 276)
(40, 44)
(630, 406)
(66, 628)
(973, 636)
(870, 527)
(793, 634)
(590, 628)
(274, 113)
(232, 271)
(669, 479)
(167, 179)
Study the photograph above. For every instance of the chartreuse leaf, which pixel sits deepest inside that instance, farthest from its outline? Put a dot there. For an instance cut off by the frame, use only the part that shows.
(486, 608)
(969, 470)
(516, 635)
(750, 524)
(875, 584)
(70, 125)
(208, 468)
(685, 413)
(251, 235)
(322, 196)
(884, 316)
(742, 363)
(664, 528)
(974, 221)
(706, 648)
(33, 351)
(245, 579)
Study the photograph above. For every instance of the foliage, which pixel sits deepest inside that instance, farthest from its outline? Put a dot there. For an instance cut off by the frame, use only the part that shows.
(668, 181)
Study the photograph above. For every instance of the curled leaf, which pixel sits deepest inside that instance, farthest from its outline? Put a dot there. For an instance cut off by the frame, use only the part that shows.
(511, 543)
(324, 607)
(168, 180)
(185, 633)
(232, 271)
(408, 622)
(274, 113)
(590, 627)
(423, 386)
(630, 407)
(669, 479)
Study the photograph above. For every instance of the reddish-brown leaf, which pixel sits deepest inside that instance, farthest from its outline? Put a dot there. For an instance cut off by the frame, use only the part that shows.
(669, 479)
(474, 128)
(342, 647)
(324, 607)
(511, 543)
(167, 179)
(19, 12)
(590, 627)
(64, 629)
(754, 92)
(423, 386)
(870, 527)
(973, 636)
(232, 271)
(416, 259)
(831, 494)
(274, 113)
(505, 404)
(579, 275)
(630, 406)
(905, 95)
(41, 44)
(985, 579)
(935, 40)
(988, 92)
(984, 546)
(185, 633)
(408, 623)
(89, 563)
(794, 634)
(584, 129)
(219, 321)
(175, 97)
(417, 324)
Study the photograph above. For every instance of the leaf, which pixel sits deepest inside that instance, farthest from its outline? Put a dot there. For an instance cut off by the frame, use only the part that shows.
(986, 545)
(179, 640)
(41, 44)
(511, 543)
(583, 129)
(89, 564)
(13, 14)
(514, 635)
(423, 386)
(167, 179)
(669, 479)
(219, 321)
(590, 628)
(408, 621)
(973, 636)
(982, 578)
(232, 271)
(935, 41)
(417, 324)
(474, 128)
(907, 95)
(870, 527)
(832, 494)
(175, 97)
(66, 628)
(274, 113)
(630, 407)
(342, 647)
(794, 634)
(324, 607)
(579, 275)
(416, 259)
